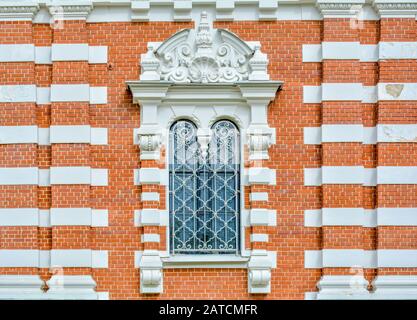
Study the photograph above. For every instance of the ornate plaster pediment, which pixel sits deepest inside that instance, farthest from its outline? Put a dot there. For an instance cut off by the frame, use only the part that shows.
(204, 55)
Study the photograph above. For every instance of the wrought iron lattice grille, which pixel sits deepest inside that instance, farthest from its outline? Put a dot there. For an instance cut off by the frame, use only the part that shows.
(204, 189)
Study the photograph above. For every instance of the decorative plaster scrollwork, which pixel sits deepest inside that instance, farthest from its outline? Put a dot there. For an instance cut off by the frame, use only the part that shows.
(259, 278)
(149, 143)
(204, 55)
(258, 146)
(151, 277)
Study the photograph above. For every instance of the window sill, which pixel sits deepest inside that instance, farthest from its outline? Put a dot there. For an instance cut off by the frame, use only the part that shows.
(203, 261)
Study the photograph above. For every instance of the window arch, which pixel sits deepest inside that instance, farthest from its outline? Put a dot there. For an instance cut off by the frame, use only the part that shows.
(204, 189)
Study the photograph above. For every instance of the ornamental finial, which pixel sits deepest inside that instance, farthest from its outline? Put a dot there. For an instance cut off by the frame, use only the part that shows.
(204, 38)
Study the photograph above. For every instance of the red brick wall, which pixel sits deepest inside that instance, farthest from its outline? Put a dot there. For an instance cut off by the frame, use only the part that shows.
(282, 41)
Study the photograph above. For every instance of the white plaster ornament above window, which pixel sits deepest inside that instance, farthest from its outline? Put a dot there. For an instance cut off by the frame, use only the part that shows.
(205, 75)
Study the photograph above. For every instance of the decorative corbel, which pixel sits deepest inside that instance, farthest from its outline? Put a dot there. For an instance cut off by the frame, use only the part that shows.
(259, 273)
(151, 276)
(150, 139)
(259, 141)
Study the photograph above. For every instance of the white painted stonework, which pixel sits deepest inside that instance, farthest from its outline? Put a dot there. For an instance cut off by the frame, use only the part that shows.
(53, 258)
(55, 93)
(56, 52)
(173, 10)
(54, 175)
(360, 217)
(360, 175)
(53, 134)
(358, 133)
(358, 92)
(356, 51)
(213, 75)
(53, 217)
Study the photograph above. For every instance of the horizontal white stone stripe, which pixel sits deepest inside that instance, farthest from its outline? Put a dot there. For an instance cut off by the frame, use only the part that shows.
(55, 93)
(150, 237)
(20, 258)
(78, 175)
(359, 133)
(259, 175)
(397, 175)
(53, 134)
(61, 287)
(54, 175)
(381, 258)
(150, 176)
(397, 91)
(259, 237)
(56, 52)
(149, 196)
(360, 217)
(54, 217)
(262, 217)
(256, 175)
(360, 175)
(17, 52)
(355, 50)
(358, 92)
(78, 93)
(150, 217)
(258, 196)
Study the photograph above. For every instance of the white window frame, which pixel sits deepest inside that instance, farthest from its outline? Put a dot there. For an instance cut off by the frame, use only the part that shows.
(222, 260)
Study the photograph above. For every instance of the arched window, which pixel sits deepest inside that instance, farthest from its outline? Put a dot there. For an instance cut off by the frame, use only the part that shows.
(204, 189)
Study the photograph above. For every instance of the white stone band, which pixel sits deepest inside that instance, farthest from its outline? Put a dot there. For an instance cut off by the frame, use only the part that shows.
(370, 218)
(360, 175)
(346, 258)
(358, 133)
(54, 217)
(49, 54)
(53, 134)
(70, 258)
(55, 93)
(355, 50)
(358, 92)
(54, 175)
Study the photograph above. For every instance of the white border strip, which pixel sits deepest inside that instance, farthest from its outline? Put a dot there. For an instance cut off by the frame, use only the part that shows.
(339, 258)
(56, 52)
(360, 175)
(53, 217)
(396, 133)
(86, 258)
(54, 175)
(396, 91)
(355, 50)
(53, 134)
(370, 218)
(55, 93)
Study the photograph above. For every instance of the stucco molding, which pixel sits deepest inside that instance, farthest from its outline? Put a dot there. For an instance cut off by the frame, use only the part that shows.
(18, 11)
(68, 10)
(340, 9)
(396, 9)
